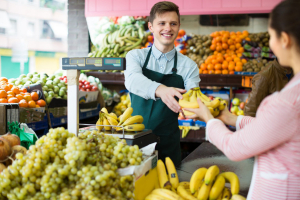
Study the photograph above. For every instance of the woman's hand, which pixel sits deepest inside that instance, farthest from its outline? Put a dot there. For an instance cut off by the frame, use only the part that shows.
(202, 113)
(227, 117)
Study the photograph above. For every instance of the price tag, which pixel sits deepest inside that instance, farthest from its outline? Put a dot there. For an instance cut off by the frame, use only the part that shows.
(247, 81)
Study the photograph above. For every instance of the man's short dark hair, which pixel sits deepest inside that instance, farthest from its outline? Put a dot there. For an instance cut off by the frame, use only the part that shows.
(163, 7)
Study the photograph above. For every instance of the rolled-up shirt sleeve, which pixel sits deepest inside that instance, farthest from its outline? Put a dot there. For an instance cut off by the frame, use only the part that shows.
(135, 81)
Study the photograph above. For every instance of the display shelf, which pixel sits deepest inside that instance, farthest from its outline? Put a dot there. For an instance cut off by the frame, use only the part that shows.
(206, 79)
(196, 136)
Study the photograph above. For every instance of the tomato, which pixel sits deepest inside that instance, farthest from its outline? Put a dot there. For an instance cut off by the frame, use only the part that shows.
(82, 89)
(87, 90)
(94, 88)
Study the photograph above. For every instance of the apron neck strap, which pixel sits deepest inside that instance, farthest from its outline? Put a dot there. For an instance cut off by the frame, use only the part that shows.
(174, 69)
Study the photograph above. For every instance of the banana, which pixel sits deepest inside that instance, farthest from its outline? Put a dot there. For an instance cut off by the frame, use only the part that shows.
(105, 122)
(222, 105)
(154, 197)
(184, 193)
(113, 115)
(173, 177)
(220, 196)
(237, 197)
(214, 103)
(211, 173)
(185, 184)
(134, 119)
(188, 113)
(226, 194)
(99, 122)
(211, 110)
(112, 121)
(217, 188)
(196, 178)
(186, 96)
(204, 190)
(127, 113)
(162, 175)
(233, 179)
(104, 110)
(204, 96)
(193, 98)
(133, 127)
(216, 112)
(187, 104)
(167, 194)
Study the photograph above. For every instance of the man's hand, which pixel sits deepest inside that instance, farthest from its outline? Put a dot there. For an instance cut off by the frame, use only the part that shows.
(167, 95)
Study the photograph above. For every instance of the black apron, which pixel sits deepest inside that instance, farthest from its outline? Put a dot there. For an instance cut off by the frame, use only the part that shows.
(157, 116)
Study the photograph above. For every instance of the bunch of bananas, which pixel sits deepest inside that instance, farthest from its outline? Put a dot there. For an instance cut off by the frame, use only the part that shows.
(123, 105)
(209, 184)
(190, 101)
(184, 130)
(128, 122)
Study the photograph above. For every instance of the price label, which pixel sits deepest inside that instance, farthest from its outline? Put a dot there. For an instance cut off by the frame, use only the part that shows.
(247, 81)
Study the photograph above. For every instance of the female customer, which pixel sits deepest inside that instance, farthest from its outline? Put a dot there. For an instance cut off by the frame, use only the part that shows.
(273, 136)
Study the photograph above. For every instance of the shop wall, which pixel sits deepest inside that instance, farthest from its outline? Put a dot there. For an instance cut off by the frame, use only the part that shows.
(10, 69)
(47, 65)
(190, 23)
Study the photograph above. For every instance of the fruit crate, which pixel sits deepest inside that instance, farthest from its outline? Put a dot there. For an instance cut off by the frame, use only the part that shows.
(89, 113)
(116, 78)
(39, 125)
(58, 121)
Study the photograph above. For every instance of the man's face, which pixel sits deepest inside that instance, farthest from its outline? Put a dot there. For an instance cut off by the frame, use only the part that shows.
(165, 28)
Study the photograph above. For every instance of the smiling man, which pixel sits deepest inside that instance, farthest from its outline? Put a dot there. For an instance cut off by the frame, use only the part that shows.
(157, 76)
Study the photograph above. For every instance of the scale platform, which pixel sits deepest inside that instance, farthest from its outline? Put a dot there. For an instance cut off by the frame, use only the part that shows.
(142, 138)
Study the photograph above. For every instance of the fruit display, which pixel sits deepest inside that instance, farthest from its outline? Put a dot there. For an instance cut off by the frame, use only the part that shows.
(13, 94)
(119, 42)
(255, 65)
(53, 86)
(184, 130)
(198, 48)
(262, 39)
(126, 121)
(190, 101)
(237, 107)
(63, 166)
(122, 105)
(204, 184)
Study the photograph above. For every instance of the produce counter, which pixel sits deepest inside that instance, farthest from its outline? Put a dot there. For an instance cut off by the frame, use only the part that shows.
(207, 155)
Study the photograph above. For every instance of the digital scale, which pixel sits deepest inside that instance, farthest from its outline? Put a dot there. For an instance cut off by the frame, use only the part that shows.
(73, 67)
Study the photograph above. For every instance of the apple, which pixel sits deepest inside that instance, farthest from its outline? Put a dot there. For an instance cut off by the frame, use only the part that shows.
(234, 109)
(49, 84)
(48, 99)
(65, 97)
(242, 105)
(63, 88)
(45, 94)
(50, 93)
(56, 81)
(52, 77)
(61, 93)
(236, 101)
(55, 95)
(45, 88)
(29, 75)
(35, 79)
(240, 112)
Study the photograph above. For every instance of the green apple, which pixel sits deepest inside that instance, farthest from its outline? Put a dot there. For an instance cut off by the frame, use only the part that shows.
(63, 88)
(29, 75)
(61, 93)
(45, 88)
(35, 79)
(65, 97)
(234, 109)
(236, 101)
(56, 89)
(49, 84)
(55, 95)
(52, 77)
(50, 93)
(56, 81)
(48, 99)
(45, 94)
(60, 85)
(240, 112)
(63, 82)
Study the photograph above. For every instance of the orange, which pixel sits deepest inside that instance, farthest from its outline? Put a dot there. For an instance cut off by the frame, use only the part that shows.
(11, 93)
(212, 34)
(224, 71)
(27, 97)
(239, 55)
(23, 90)
(223, 51)
(214, 41)
(13, 100)
(203, 66)
(248, 39)
(218, 72)
(5, 87)
(19, 96)
(218, 39)
(34, 96)
(37, 106)
(239, 64)
(231, 72)
(205, 72)
(239, 33)
(200, 71)
(41, 103)
(3, 79)
(228, 59)
(246, 33)
(31, 104)
(9, 96)
(225, 65)
(244, 60)
(207, 61)
(210, 66)
(231, 67)
(238, 45)
(241, 49)
(3, 94)
(238, 68)
(219, 48)
(232, 33)
(232, 47)
(10, 86)
(3, 100)
(220, 59)
(233, 37)
(214, 61)
(224, 45)
(211, 72)
(215, 52)
(236, 59)
(238, 40)
(224, 39)
(213, 47)
(218, 66)
(23, 103)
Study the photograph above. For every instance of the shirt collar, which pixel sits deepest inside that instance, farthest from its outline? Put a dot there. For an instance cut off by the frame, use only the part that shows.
(157, 53)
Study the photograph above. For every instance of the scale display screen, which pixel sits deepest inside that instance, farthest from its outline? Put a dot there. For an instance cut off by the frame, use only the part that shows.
(77, 61)
(113, 61)
(94, 61)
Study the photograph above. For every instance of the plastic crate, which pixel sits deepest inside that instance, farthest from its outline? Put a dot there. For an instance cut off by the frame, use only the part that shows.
(40, 125)
(186, 122)
(89, 113)
(58, 121)
(200, 123)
